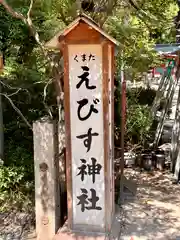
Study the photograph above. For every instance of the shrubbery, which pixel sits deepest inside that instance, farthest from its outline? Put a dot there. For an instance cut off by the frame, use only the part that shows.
(17, 177)
(138, 116)
(15, 190)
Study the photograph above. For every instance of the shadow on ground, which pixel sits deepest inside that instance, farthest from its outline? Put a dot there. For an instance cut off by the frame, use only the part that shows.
(155, 211)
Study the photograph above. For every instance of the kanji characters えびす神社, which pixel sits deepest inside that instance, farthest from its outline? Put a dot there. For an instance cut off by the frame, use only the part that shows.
(89, 169)
(88, 140)
(85, 69)
(94, 168)
(84, 201)
(92, 108)
(84, 78)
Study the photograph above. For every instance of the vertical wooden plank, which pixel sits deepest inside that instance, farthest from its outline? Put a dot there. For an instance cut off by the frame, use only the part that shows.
(176, 141)
(106, 133)
(68, 135)
(57, 197)
(112, 122)
(111, 127)
(62, 172)
(176, 129)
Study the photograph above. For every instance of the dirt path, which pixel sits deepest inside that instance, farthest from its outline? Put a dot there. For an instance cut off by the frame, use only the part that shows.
(16, 225)
(154, 214)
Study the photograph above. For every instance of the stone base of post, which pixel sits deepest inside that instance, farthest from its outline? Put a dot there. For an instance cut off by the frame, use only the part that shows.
(65, 234)
(116, 230)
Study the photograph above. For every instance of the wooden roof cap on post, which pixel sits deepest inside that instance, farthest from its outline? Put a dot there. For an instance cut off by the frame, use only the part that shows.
(55, 42)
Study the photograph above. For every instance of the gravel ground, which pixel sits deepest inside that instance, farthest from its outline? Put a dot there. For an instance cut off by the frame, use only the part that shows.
(154, 214)
(16, 226)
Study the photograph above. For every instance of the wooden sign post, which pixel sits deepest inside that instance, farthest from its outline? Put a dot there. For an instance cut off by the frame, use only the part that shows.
(88, 54)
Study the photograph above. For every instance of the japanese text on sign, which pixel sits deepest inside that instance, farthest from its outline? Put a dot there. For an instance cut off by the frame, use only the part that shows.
(87, 140)
(95, 167)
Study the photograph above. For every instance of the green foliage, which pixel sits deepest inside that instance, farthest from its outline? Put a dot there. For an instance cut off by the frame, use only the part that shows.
(17, 177)
(15, 190)
(138, 116)
(139, 31)
(26, 68)
(24, 78)
(20, 156)
(11, 177)
(138, 124)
